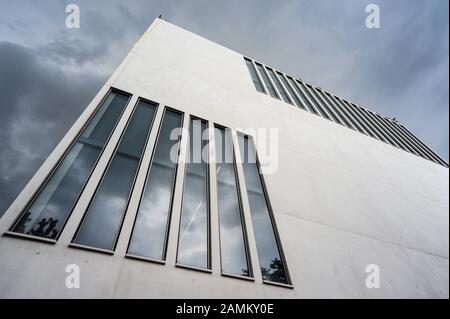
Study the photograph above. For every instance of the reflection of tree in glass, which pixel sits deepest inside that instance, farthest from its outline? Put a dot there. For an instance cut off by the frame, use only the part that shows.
(47, 227)
(245, 273)
(26, 219)
(275, 272)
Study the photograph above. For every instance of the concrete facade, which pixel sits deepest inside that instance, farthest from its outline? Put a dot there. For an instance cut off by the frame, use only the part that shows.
(341, 200)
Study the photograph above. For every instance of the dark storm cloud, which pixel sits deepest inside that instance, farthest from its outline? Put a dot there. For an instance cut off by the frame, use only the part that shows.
(50, 73)
(38, 105)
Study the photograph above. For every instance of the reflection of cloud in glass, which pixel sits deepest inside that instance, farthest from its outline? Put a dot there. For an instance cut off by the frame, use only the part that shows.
(52, 205)
(193, 236)
(232, 240)
(102, 222)
(149, 230)
(272, 267)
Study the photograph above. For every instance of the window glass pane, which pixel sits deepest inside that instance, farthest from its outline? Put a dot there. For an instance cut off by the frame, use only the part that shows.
(254, 76)
(272, 266)
(336, 108)
(400, 137)
(301, 103)
(376, 126)
(232, 239)
(356, 116)
(103, 219)
(426, 151)
(302, 90)
(386, 130)
(308, 90)
(193, 241)
(347, 112)
(266, 80)
(288, 87)
(51, 206)
(369, 126)
(328, 108)
(149, 233)
(277, 83)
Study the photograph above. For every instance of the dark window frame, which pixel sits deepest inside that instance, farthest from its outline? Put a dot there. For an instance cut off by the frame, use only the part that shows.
(250, 276)
(208, 205)
(258, 76)
(271, 215)
(47, 178)
(105, 171)
(266, 76)
(170, 209)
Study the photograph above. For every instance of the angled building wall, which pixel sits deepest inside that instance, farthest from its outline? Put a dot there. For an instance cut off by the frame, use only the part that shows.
(341, 200)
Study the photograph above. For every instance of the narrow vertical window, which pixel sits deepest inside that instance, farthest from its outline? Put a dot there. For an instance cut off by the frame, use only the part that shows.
(277, 83)
(387, 130)
(369, 125)
(291, 91)
(282, 81)
(233, 242)
(49, 209)
(149, 236)
(327, 107)
(399, 136)
(336, 108)
(266, 80)
(269, 249)
(103, 219)
(193, 238)
(300, 88)
(254, 76)
(358, 118)
(347, 112)
(377, 127)
(300, 102)
(430, 154)
(308, 89)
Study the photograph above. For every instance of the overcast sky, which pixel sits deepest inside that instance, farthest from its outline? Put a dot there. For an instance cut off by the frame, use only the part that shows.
(49, 73)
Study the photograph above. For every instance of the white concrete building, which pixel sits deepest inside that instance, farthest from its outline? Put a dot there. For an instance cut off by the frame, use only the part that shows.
(352, 189)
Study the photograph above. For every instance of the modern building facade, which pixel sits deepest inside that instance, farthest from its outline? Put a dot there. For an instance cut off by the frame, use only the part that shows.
(156, 191)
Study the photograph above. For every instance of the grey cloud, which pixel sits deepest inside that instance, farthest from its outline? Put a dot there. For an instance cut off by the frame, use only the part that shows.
(38, 105)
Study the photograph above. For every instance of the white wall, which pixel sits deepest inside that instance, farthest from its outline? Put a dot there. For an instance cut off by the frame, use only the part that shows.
(341, 200)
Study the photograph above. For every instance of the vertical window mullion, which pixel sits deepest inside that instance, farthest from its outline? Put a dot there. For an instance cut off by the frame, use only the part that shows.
(412, 143)
(271, 257)
(49, 209)
(327, 107)
(284, 86)
(310, 104)
(338, 110)
(355, 116)
(310, 90)
(363, 120)
(371, 124)
(430, 153)
(386, 131)
(148, 238)
(268, 83)
(402, 138)
(277, 85)
(302, 103)
(292, 92)
(235, 258)
(254, 76)
(102, 221)
(317, 106)
(349, 114)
